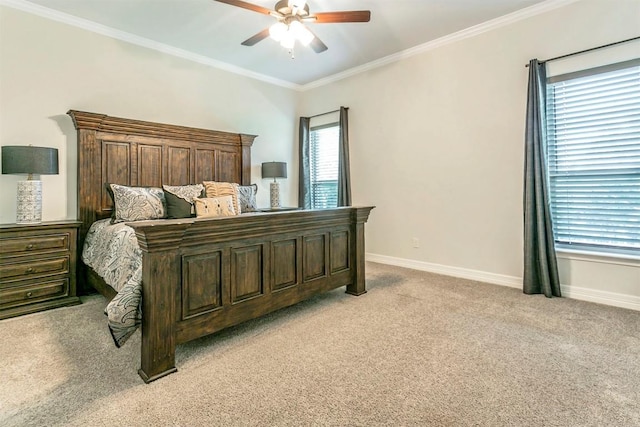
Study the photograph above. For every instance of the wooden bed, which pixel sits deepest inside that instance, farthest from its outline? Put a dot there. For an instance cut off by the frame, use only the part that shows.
(203, 275)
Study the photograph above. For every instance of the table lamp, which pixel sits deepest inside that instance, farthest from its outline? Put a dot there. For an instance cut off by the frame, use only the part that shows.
(29, 160)
(274, 170)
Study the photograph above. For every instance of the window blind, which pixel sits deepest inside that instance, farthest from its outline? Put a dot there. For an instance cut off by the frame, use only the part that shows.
(324, 165)
(593, 158)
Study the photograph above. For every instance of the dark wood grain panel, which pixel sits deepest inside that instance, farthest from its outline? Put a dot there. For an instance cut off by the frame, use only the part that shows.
(178, 166)
(201, 283)
(227, 166)
(150, 165)
(340, 250)
(246, 273)
(315, 262)
(284, 265)
(205, 169)
(116, 169)
(116, 165)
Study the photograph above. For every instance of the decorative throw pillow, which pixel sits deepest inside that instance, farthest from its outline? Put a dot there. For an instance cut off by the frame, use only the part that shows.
(217, 189)
(180, 199)
(247, 198)
(214, 207)
(137, 203)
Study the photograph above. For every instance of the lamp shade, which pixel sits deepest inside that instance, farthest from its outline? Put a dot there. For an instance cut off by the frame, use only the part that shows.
(274, 170)
(27, 159)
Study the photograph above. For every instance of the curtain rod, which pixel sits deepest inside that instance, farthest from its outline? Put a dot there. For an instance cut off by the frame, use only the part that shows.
(587, 50)
(328, 112)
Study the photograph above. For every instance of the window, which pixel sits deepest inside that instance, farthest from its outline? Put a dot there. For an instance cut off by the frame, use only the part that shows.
(593, 158)
(323, 149)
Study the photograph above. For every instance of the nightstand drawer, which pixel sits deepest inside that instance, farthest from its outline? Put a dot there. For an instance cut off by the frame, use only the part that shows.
(34, 267)
(34, 244)
(34, 292)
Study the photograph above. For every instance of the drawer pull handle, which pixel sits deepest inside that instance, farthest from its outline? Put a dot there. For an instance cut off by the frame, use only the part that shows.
(29, 294)
(31, 246)
(30, 270)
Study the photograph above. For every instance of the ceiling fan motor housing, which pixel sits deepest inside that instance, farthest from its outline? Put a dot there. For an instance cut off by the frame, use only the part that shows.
(286, 7)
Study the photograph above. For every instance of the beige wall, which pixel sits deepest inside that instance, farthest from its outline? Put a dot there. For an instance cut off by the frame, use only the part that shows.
(436, 139)
(437, 146)
(48, 68)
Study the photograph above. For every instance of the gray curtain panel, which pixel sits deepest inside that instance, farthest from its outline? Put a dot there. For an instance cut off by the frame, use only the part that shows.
(344, 171)
(304, 178)
(540, 264)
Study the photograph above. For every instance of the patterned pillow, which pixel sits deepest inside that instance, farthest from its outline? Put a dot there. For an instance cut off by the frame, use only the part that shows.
(180, 199)
(214, 207)
(137, 203)
(217, 189)
(247, 198)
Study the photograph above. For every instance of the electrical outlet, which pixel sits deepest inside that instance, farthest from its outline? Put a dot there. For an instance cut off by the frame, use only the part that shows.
(416, 242)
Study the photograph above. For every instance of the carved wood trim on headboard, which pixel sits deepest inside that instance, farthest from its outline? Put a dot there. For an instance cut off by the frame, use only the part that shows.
(139, 153)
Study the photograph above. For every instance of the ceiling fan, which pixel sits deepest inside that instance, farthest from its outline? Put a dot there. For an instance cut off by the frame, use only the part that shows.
(292, 16)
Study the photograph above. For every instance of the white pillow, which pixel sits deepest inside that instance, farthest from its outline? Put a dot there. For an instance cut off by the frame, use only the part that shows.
(214, 207)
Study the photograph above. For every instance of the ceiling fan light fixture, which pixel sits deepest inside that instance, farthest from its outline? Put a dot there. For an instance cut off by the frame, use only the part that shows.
(278, 30)
(301, 33)
(288, 40)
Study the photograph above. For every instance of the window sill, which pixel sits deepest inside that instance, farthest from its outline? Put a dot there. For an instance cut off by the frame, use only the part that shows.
(600, 257)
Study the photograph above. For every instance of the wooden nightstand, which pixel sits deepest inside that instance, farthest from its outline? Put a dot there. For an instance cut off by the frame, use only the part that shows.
(37, 267)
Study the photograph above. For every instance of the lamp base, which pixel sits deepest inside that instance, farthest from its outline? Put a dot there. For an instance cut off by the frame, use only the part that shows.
(275, 195)
(29, 206)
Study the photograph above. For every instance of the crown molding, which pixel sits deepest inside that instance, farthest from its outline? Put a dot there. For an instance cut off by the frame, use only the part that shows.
(104, 30)
(451, 38)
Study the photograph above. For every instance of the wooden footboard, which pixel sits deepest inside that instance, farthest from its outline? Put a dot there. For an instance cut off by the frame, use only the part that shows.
(200, 276)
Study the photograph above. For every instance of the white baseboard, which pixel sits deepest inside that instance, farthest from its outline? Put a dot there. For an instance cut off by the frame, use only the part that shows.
(574, 292)
(602, 297)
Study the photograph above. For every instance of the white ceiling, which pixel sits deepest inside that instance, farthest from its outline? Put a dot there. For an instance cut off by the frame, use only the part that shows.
(211, 30)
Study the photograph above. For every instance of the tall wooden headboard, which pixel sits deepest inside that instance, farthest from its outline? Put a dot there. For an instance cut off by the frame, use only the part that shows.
(138, 153)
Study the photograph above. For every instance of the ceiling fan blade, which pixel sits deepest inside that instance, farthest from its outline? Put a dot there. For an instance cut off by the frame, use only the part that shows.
(256, 38)
(345, 16)
(316, 44)
(247, 5)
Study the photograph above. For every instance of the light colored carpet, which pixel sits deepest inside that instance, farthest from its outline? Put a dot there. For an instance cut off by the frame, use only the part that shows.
(417, 349)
